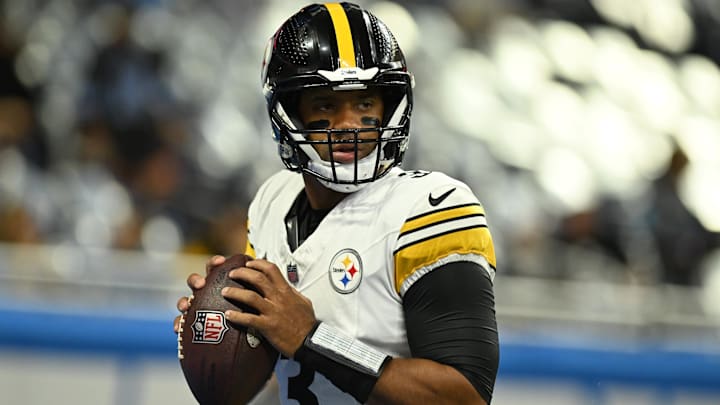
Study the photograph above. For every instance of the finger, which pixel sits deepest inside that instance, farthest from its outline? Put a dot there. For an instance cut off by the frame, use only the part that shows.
(245, 319)
(245, 297)
(183, 304)
(270, 270)
(195, 281)
(252, 277)
(212, 262)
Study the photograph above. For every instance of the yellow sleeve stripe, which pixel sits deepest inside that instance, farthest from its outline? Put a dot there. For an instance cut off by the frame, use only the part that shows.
(249, 248)
(475, 239)
(441, 215)
(346, 49)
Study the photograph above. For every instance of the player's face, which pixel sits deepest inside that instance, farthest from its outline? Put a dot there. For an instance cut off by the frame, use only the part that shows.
(323, 108)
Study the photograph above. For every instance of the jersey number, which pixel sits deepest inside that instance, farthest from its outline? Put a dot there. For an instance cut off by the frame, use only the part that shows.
(299, 387)
(415, 174)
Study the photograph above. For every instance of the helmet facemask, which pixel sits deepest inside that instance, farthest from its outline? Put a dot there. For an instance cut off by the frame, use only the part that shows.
(300, 152)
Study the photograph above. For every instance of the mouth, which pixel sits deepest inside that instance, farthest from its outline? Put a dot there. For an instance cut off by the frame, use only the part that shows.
(344, 147)
(343, 153)
(346, 150)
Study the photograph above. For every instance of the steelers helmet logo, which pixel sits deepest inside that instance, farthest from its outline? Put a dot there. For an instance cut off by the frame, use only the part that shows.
(346, 271)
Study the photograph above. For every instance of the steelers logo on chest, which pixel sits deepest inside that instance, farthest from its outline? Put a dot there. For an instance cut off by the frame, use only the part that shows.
(346, 271)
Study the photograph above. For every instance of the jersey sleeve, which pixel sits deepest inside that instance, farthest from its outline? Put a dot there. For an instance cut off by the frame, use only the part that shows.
(255, 215)
(447, 225)
(263, 213)
(252, 221)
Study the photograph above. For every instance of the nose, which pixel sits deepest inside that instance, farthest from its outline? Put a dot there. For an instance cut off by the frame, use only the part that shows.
(347, 118)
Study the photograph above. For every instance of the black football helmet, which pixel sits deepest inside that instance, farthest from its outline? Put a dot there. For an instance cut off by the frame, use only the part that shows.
(343, 47)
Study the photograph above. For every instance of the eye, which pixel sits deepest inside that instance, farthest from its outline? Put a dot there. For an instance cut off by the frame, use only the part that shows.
(324, 107)
(366, 104)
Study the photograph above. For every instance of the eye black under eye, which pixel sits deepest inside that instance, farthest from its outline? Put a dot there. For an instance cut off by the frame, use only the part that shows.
(319, 124)
(370, 121)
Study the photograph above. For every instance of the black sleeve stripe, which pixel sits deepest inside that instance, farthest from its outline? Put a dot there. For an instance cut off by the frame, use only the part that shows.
(439, 222)
(441, 210)
(437, 235)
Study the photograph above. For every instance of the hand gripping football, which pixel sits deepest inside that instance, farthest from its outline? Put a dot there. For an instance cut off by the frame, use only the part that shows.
(223, 363)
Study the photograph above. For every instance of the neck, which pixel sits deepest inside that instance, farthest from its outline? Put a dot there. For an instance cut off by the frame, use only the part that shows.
(319, 196)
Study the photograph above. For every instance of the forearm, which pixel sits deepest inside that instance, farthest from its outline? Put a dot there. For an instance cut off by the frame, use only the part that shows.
(452, 336)
(421, 381)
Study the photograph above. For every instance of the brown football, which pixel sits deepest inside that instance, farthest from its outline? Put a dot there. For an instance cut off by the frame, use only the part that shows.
(222, 363)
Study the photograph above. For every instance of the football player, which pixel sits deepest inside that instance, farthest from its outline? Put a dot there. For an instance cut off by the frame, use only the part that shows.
(374, 283)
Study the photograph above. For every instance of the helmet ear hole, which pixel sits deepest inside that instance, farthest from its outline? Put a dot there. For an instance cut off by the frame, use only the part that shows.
(290, 101)
(286, 151)
(390, 150)
(392, 96)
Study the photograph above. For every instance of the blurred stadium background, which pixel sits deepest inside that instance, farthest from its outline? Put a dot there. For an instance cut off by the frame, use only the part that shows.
(133, 135)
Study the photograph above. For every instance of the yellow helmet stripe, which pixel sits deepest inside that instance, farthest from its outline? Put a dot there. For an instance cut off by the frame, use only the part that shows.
(346, 49)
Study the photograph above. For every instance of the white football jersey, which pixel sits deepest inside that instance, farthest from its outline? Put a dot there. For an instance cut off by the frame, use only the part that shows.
(364, 255)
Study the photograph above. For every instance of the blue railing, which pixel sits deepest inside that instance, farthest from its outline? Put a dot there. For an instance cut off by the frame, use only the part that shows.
(132, 334)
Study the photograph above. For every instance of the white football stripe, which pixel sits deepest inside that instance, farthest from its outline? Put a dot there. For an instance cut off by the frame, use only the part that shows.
(417, 274)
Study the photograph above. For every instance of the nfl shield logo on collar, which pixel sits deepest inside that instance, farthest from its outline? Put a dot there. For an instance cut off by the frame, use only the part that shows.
(292, 273)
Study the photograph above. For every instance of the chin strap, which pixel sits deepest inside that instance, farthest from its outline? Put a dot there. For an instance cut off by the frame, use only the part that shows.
(343, 188)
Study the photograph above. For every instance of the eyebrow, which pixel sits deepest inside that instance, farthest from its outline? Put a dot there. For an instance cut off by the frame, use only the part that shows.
(320, 98)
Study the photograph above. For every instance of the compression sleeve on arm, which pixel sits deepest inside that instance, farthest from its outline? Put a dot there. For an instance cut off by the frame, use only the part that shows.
(450, 319)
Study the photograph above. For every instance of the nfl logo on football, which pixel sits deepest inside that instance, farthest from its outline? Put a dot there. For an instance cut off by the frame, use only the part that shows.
(209, 327)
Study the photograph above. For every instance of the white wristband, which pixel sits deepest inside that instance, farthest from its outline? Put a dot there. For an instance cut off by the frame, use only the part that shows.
(344, 349)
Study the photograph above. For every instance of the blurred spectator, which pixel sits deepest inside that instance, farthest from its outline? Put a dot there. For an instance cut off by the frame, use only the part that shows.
(682, 241)
(148, 165)
(124, 79)
(131, 156)
(596, 235)
(22, 149)
(225, 233)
